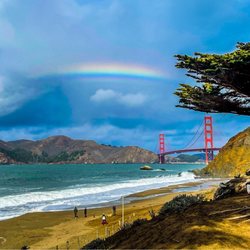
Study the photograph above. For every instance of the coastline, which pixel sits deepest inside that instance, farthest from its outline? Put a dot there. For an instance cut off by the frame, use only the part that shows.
(80, 186)
(99, 163)
(51, 229)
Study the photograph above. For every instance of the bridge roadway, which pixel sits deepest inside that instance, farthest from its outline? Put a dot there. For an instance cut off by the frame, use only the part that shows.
(178, 151)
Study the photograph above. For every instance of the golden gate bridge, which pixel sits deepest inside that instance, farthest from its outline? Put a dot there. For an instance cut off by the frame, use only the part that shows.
(208, 148)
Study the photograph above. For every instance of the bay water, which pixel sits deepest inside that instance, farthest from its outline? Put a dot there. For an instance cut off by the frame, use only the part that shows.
(33, 188)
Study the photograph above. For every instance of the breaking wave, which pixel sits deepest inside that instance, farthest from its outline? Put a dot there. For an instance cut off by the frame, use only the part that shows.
(82, 195)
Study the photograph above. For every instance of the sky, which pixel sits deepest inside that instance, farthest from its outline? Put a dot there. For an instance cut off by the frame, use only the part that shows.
(104, 70)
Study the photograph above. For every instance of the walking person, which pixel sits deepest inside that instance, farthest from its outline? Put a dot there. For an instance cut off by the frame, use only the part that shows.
(114, 210)
(104, 220)
(76, 212)
(85, 212)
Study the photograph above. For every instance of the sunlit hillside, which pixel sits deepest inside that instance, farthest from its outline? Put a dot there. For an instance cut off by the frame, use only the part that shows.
(233, 159)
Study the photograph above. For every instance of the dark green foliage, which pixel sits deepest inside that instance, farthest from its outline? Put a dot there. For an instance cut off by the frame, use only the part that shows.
(139, 222)
(191, 158)
(152, 213)
(225, 81)
(180, 203)
(24, 156)
(25, 247)
(19, 155)
(96, 244)
(126, 226)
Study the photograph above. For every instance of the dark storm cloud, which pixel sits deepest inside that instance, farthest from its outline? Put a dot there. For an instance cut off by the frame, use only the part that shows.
(50, 109)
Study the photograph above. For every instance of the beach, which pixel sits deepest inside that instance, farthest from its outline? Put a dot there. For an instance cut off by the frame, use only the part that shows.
(44, 188)
(60, 229)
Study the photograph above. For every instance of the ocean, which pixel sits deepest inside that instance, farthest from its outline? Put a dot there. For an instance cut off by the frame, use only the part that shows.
(33, 188)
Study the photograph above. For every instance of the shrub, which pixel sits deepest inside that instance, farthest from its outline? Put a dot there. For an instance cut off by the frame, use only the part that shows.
(139, 222)
(152, 213)
(25, 247)
(126, 226)
(181, 202)
(104, 243)
(95, 244)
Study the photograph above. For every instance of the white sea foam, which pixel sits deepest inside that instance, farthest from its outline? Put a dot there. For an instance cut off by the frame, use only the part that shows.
(14, 205)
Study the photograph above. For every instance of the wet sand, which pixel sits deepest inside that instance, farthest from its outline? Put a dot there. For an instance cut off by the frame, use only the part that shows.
(49, 230)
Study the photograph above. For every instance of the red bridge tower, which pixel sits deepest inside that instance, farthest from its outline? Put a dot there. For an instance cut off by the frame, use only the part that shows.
(208, 133)
(162, 148)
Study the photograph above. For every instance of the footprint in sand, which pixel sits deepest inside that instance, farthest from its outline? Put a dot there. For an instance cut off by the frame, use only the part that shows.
(2, 240)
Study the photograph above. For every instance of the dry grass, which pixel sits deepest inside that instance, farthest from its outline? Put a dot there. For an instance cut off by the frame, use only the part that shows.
(222, 224)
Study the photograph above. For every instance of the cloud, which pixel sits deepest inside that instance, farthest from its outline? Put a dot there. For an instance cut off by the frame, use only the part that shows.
(44, 108)
(106, 133)
(110, 134)
(109, 95)
(42, 36)
(104, 95)
(14, 92)
(7, 32)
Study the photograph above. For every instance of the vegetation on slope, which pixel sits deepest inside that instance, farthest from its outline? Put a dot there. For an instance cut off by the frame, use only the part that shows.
(191, 158)
(25, 156)
(218, 224)
(233, 159)
(62, 149)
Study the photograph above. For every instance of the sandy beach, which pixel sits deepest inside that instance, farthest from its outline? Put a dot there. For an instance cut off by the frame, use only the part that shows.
(50, 230)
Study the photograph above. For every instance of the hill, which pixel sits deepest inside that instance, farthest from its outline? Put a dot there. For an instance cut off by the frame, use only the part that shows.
(218, 224)
(62, 149)
(233, 159)
(191, 158)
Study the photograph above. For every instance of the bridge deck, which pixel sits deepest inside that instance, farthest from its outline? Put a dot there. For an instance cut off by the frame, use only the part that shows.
(189, 150)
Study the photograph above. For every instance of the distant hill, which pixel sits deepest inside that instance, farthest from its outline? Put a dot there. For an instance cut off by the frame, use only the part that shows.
(62, 149)
(233, 159)
(191, 158)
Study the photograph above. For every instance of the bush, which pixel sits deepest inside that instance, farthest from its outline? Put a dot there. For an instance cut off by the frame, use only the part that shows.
(95, 244)
(181, 202)
(126, 226)
(152, 213)
(25, 247)
(139, 222)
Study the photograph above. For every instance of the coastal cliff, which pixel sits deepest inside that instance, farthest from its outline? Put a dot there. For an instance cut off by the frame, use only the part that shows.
(233, 159)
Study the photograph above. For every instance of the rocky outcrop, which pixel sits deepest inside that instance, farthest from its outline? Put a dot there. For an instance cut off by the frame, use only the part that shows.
(5, 159)
(146, 168)
(233, 159)
(234, 186)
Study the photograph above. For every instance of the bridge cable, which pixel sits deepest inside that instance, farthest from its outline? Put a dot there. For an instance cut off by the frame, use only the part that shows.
(194, 136)
(202, 132)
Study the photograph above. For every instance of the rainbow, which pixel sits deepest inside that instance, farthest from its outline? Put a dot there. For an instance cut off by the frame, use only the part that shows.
(113, 70)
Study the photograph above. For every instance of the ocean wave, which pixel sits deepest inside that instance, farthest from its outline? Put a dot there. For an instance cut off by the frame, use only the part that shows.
(14, 205)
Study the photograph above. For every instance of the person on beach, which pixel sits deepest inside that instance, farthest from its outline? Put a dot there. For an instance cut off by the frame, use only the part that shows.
(85, 212)
(114, 210)
(76, 212)
(104, 220)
